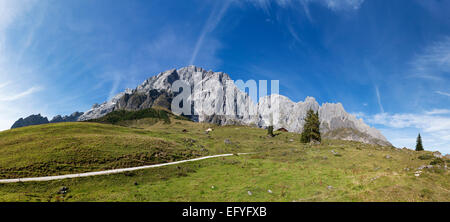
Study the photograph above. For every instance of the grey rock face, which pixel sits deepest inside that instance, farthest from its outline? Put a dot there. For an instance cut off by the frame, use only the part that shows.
(98, 111)
(351, 134)
(58, 119)
(71, 118)
(38, 119)
(145, 100)
(212, 96)
(438, 154)
(291, 115)
(216, 99)
(335, 123)
(30, 121)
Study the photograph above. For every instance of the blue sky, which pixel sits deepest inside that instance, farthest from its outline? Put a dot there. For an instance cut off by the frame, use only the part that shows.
(388, 62)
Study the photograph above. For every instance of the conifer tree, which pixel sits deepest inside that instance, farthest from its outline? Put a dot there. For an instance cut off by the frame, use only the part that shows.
(419, 146)
(270, 127)
(270, 131)
(311, 129)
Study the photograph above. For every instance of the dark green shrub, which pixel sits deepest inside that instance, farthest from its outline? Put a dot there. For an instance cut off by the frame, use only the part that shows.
(425, 157)
(122, 115)
(437, 161)
(270, 131)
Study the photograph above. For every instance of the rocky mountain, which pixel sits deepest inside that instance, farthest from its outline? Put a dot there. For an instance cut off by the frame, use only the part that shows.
(38, 119)
(216, 99)
(99, 110)
(29, 121)
(157, 91)
(335, 122)
(71, 118)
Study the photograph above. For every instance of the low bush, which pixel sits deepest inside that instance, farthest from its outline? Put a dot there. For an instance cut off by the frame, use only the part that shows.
(123, 115)
(425, 157)
(437, 161)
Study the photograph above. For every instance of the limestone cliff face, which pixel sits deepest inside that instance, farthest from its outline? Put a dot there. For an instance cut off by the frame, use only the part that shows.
(335, 122)
(211, 96)
(216, 99)
(71, 118)
(98, 111)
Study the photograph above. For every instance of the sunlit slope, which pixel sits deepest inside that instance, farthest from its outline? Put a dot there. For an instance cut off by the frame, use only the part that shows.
(63, 148)
(333, 171)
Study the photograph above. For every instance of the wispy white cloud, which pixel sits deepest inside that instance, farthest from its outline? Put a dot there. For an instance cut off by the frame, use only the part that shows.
(14, 103)
(442, 93)
(2, 85)
(305, 7)
(426, 76)
(213, 20)
(438, 111)
(426, 122)
(11, 10)
(20, 95)
(434, 62)
(263, 4)
(401, 129)
(342, 4)
(335, 5)
(406, 137)
(116, 79)
(171, 48)
(294, 33)
(377, 91)
(359, 114)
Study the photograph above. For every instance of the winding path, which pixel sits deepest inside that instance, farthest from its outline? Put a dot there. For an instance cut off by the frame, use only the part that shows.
(106, 172)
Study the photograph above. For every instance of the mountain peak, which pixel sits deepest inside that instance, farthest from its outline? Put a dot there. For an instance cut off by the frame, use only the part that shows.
(310, 99)
(39, 119)
(234, 106)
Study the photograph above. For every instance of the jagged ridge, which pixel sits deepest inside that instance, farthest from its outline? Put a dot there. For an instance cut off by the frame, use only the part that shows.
(38, 120)
(230, 105)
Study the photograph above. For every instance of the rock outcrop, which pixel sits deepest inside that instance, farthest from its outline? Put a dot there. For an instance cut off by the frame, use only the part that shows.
(98, 111)
(71, 118)
(216, 99)
(29, 121)
(335, 122)
(38, 120)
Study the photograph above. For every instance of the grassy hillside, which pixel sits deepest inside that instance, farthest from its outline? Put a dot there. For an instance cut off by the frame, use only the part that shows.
(64, 148)
(81, 147)
(333, 171)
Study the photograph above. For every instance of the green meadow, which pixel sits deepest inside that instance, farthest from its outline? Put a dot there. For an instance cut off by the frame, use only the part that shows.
(279, 168)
